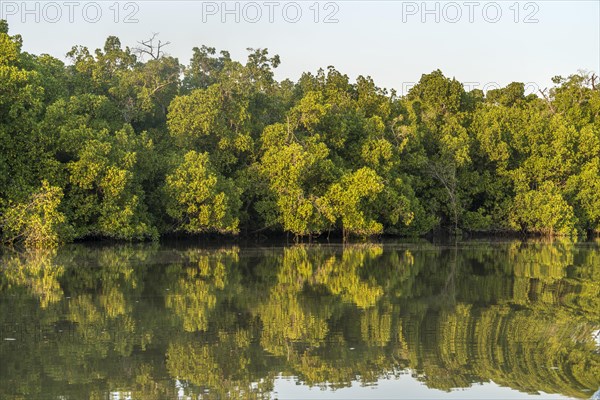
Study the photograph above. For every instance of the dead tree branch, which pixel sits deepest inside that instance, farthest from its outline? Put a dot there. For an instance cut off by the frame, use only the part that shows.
(151, 48)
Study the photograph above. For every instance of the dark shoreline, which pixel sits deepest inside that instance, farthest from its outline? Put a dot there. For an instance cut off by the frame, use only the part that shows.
(280, 240)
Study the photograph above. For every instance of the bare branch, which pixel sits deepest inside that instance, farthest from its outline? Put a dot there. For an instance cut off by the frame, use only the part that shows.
(149, 47)
(548, 101)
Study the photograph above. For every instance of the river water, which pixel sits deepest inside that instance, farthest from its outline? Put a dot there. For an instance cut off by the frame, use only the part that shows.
(477, 319)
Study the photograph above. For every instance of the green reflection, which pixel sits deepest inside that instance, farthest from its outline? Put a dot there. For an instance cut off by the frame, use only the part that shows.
(156, 322)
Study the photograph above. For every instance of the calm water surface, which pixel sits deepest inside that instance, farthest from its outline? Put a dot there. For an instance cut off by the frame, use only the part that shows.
(401, 320)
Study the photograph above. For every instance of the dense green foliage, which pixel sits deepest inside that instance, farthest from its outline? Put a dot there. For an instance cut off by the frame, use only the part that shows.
(149, 321)
(144, 148)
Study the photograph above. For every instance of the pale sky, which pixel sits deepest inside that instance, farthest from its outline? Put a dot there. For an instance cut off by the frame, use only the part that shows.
(406, 386)
(481, 43)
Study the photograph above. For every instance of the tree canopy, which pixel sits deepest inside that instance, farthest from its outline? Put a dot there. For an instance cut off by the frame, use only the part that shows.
(119, 147)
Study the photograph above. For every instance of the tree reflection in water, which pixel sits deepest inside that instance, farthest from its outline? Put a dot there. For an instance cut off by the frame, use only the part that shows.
(157, 322)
